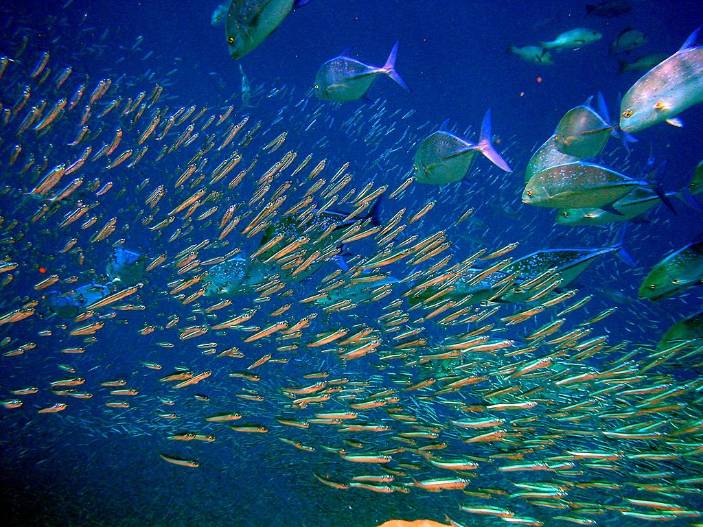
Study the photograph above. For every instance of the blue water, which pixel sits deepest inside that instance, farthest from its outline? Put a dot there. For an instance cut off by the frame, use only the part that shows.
(91, 465)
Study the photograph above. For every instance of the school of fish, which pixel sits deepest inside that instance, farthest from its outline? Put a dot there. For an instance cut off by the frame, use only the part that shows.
(324, 312)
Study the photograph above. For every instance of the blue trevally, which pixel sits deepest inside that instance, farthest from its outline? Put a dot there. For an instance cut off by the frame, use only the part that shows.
(631, 206)
(345, 79)
(443, 157)
(582, 132)
(568, 265)
(249, 22)
(689, 329)
(578, 185)
(666, 90)
(675, 272)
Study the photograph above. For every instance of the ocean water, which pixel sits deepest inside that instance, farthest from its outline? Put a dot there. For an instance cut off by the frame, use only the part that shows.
(100, 460)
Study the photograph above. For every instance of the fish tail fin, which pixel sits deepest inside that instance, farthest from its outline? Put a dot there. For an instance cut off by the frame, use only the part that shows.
(619, 247)
(655, 178)
(485, 146)
(389, 68)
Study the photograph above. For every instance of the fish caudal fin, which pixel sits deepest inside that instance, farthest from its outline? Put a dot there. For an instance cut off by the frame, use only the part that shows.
(389, 68)
(485, 146)
(619, 247)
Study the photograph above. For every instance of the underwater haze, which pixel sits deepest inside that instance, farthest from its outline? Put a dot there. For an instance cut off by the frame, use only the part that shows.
(351, 263)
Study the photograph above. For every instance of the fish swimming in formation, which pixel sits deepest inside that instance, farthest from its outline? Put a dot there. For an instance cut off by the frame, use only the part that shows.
(533, 54)
(443, 157)
(573, 39)
(666, 90)
(627, 40)
(250, 22)
(676, 272)
(431, 363)
(345, 79)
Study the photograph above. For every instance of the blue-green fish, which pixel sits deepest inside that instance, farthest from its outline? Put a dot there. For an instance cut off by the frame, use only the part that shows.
(533, 54)
(581, 132)
(573, 39)
(645, 63)
(677, 271)
(345, 79)
(578, 185)
(567, 263)
(688, 329)
(635, 204)
(666, 90)
(249, 22)
(443, 158)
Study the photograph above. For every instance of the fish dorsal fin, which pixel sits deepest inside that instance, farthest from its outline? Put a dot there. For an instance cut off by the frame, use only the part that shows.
(588, 101)
(444, 126)
(691, 40)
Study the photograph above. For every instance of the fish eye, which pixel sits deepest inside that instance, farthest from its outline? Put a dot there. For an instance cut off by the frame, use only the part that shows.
(565, 213)
(529, 193)
(652, 286)
(659, 105)
(230, 40)
(675, 281)
(627, 113)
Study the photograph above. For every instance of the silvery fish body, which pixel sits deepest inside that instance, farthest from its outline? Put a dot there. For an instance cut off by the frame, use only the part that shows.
(665, 91)
(577, 185)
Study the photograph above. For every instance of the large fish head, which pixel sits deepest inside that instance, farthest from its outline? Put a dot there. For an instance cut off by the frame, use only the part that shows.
(249, 22)
(660, 283)
(646, 103)
(535, 193)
